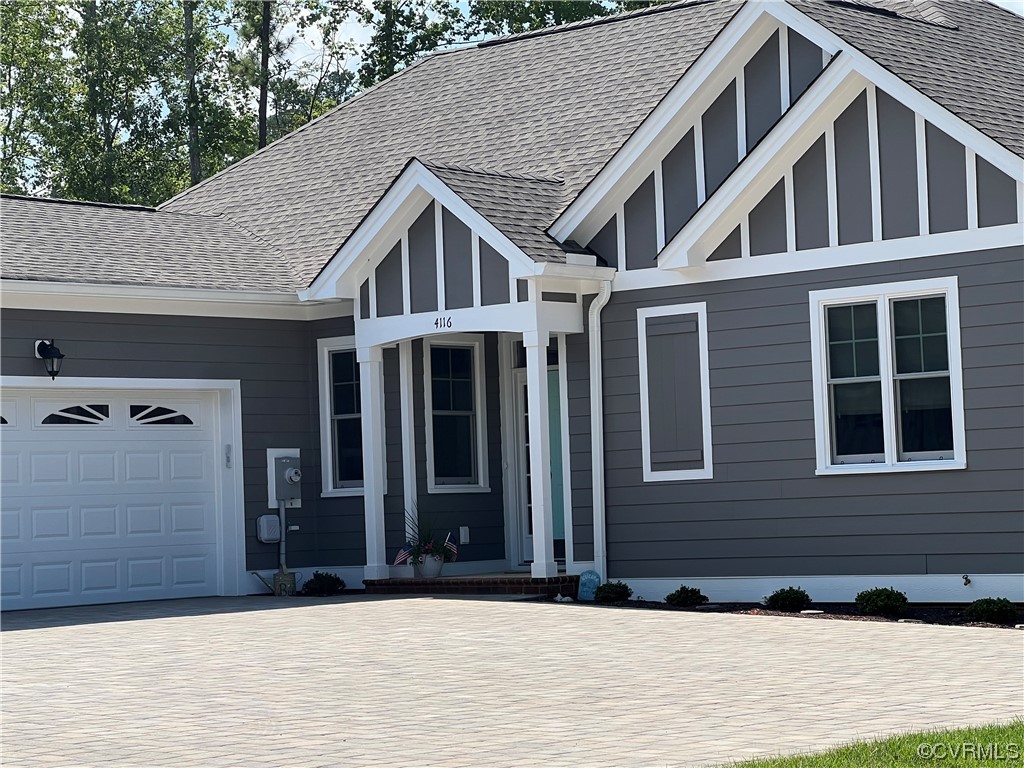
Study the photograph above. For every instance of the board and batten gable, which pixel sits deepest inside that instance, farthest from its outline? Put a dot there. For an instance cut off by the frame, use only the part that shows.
(878, 172)
(765, 512)
(709, 148)
(438, 264)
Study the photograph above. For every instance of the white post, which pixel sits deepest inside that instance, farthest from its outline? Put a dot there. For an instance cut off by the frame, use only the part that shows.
(536, 344)
(371, 391)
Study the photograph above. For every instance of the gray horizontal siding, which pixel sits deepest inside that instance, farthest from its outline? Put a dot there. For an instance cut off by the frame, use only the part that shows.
(765, 513)
(580, 469)
(275, 361)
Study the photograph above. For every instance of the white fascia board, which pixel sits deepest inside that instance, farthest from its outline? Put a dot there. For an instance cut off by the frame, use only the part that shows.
(150, 300)
(629, 156)
(389, 218)
(805, 117)
(962, 241)
(899, 89)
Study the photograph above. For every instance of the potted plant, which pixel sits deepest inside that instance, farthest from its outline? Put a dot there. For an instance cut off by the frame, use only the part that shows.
(426, 551)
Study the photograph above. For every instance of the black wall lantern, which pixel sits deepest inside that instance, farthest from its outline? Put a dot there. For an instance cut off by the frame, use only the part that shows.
(50, 355)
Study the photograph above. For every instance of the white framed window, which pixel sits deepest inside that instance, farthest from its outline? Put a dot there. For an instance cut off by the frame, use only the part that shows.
(888, 378)
(675, 393)
(456, 424)
(341, 436)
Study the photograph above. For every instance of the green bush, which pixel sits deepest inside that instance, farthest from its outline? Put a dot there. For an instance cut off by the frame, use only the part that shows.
(686, 597)
(881, 601)
(613, 592)
(993, 610)
(322, 584)
(788, 599)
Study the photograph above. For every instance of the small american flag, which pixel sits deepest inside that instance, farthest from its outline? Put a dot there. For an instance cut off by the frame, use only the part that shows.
(403, 555)
(451, 547)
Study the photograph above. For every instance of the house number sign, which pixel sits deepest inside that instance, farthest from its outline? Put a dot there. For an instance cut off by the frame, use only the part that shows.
(443, 322)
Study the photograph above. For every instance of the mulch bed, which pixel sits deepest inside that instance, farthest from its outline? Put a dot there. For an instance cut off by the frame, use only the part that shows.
(944, 614)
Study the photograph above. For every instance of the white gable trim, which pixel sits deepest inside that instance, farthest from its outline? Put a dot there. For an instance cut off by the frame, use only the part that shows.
(741, 36)
(832, 92)
(935, 113)
(384, 226)
(732, 41)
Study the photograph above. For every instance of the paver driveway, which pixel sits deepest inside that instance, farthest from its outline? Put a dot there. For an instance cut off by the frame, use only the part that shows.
(416, 682)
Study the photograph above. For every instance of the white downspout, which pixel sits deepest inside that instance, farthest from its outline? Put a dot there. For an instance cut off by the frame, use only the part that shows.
(604, 293)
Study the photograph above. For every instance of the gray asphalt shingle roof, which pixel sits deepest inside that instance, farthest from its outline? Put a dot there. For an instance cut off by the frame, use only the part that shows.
(73, 242)
(516, 126)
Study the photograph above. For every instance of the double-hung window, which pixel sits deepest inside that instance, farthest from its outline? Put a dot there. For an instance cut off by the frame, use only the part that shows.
(887, 377)
(456, 434)
(341, 424)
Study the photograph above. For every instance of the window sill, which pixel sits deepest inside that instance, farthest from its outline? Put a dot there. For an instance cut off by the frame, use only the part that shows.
(334, 493)
(876, 469)
(676, 475)
(443, 489)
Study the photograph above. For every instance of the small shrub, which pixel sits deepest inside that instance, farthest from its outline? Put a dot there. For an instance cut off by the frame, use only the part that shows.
(322, 584)
(788, 599)
(881, 601)
(686, 597)
(993, 610)
(613, 592)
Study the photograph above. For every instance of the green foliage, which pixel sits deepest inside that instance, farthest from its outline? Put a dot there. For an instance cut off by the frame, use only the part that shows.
(686, 597)
(973, 747)
(788, 599)
(993, 610)
(881, 601)
(322, 584)
(613, 592)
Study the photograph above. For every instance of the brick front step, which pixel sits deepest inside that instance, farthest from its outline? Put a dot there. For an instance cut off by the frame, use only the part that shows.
(475, 585)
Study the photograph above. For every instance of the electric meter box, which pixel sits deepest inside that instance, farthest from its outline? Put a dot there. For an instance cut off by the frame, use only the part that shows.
(287, 478)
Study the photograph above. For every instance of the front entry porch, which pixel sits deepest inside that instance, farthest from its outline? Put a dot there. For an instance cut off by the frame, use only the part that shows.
(478, 412)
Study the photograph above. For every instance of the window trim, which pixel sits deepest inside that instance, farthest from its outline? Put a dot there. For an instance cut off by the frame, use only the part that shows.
(884, 294)
(476, 342)
(325, 348)
(664, 475)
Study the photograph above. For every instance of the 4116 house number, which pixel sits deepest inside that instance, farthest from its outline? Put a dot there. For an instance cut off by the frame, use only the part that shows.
(443, 322)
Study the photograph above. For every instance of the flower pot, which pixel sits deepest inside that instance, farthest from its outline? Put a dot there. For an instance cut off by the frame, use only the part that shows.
(430, 568)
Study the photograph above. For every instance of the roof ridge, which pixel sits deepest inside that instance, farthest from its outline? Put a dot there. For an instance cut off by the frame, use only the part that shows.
(501, 174)
(66, 201)
(572, 26)
(266, 243)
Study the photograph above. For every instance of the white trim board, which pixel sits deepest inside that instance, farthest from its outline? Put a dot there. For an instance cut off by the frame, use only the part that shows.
(963, 241)
(230, 502)
(919, 588)
(147, 300)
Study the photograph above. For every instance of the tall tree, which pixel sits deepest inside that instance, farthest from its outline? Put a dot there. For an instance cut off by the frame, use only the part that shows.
(403, 31)
(266, 11)
(192, 96)
(504, 17)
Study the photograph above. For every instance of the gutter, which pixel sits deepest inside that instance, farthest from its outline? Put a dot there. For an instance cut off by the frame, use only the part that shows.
(604, 293)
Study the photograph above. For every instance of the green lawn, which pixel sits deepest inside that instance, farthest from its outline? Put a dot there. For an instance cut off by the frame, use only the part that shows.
(991, 746)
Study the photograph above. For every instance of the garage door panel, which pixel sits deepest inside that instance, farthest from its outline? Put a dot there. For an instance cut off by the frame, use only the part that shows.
(107, 496)
(43, 579)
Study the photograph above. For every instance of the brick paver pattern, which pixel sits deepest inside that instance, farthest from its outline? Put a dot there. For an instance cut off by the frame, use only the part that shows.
(256, 682)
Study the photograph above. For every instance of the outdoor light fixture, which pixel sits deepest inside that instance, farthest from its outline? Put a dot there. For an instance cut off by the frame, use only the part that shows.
(50, 355)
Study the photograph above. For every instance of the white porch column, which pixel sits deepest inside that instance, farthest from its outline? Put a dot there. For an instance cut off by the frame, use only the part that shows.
(536, 344)
(371, 394)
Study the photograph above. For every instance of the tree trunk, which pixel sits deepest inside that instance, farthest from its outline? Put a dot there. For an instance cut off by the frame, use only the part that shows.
(264, 74)
(99, 107)
(191, 98)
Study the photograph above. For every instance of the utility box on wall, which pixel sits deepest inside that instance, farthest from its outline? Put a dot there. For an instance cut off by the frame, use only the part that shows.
(294, 499)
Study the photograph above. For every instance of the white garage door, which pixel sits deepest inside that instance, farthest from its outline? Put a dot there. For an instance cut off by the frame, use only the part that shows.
(107, 496)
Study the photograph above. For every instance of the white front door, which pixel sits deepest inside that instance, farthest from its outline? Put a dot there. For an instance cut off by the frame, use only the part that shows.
(107, 496)
(523, 468)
